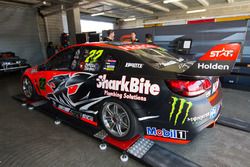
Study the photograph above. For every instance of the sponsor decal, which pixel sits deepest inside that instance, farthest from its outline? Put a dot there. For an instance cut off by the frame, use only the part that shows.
(42, 83)
(208, 94)
(33, 70)
(134, 85)
(134, 65)
(137, 47)
(168, 63)
(82, 65)
(94, 55)
(109, 65)
(211, 66)
(183, 66)
(88, 117)
(221, 53)
(91, 67)
(199, 118)
(66, 109)
(183, 107)
(131, 89)
(172, 133)
(214, 111)
(125, 95)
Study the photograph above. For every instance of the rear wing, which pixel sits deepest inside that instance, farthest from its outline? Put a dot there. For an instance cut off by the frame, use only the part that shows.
(218, 61)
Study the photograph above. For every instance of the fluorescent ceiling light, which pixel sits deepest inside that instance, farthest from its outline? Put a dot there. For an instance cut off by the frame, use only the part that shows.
(97, 14)
(170, 1)
(196, 11)
(130, 19)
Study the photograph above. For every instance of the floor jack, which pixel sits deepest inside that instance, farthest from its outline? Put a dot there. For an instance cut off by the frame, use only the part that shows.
(144, 150)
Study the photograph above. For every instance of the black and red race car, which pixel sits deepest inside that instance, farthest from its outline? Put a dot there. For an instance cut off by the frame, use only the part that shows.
(131, 89)
(10, 62)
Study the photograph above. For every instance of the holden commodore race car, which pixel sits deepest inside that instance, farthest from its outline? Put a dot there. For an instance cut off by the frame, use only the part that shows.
(130, 89)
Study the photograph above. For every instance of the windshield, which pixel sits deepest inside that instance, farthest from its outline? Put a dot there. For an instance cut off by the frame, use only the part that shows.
(161, 59)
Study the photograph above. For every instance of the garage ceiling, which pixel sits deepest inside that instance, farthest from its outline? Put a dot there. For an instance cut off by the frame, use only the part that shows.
(126, 8)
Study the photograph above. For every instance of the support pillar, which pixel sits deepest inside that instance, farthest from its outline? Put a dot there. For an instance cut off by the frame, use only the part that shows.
(74, 26)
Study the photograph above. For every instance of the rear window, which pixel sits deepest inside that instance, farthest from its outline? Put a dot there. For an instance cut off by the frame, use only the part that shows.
(161, 59)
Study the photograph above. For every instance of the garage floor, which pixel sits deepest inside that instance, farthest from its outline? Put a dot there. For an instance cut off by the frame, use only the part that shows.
(30, 138)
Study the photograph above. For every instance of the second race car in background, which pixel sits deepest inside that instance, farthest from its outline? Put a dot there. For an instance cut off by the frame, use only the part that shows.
(131, 89)
(10, 62)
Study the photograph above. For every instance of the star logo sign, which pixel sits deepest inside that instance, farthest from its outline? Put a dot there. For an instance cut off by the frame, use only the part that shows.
(222, 53)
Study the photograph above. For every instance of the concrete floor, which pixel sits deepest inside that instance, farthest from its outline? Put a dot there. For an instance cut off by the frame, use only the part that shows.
(30, 138)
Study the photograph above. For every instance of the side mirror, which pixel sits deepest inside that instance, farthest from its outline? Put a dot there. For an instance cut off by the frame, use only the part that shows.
(41, 67)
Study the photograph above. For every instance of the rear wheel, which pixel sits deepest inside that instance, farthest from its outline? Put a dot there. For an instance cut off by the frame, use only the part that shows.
(28, 88)
(118, 120)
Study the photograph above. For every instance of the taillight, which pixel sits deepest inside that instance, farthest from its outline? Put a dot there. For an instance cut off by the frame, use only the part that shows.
(189, 88)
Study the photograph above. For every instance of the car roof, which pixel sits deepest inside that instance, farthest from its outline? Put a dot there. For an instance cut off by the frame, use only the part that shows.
(126, 46)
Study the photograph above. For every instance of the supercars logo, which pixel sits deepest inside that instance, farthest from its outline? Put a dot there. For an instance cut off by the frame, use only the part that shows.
(183, 106)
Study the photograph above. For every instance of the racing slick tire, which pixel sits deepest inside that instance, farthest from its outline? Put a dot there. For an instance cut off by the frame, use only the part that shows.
(118, 120)
(28, 88)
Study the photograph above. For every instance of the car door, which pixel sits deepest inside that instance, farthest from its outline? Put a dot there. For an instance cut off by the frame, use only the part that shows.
(74, 93)
(56, 72)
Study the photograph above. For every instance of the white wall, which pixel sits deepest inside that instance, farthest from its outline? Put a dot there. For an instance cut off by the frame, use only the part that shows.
(20, 33)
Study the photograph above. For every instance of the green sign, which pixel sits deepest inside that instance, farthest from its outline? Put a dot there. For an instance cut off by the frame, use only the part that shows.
(42, 82)
(179, 109)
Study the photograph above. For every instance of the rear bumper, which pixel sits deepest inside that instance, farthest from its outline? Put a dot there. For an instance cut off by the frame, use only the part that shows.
(181, 124)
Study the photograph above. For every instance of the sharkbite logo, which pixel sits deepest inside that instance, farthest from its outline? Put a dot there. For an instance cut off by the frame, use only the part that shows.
(134, 85)
(184, 107)
(174, 134)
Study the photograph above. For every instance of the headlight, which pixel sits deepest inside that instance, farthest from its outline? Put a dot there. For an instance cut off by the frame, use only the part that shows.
(6, 63)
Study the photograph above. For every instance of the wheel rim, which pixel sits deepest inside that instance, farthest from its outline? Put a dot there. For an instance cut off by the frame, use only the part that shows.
(116, 119)
(27, 87)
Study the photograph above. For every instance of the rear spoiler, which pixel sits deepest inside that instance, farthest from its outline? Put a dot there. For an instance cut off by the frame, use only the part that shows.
(218, 61)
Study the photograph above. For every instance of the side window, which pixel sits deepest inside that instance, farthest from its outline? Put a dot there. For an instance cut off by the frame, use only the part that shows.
(90, 59)
(62, 61)
(111, 62)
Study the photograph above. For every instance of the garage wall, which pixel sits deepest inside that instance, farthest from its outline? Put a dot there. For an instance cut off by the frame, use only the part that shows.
(19, 33)
(54, 27)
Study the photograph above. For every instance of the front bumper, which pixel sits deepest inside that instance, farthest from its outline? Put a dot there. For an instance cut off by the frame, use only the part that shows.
(7, 69)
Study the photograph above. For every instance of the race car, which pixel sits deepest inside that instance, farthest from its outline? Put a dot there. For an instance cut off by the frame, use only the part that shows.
(10, 62)
(131, 88)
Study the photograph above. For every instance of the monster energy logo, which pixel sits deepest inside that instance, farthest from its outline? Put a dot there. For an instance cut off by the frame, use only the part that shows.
(180, 110)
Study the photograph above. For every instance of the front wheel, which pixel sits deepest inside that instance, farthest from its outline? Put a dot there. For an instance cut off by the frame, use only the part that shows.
(118, 120)
(28, 88)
